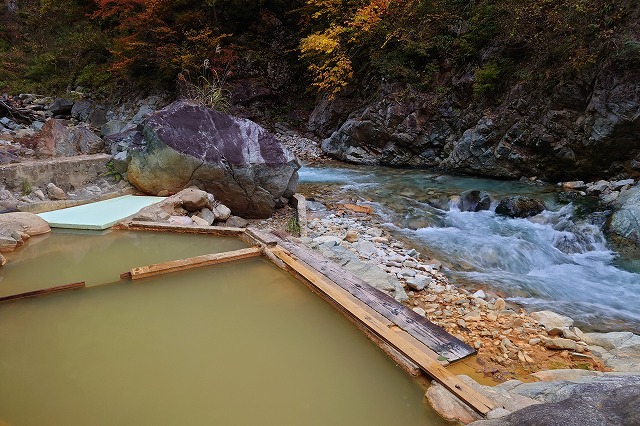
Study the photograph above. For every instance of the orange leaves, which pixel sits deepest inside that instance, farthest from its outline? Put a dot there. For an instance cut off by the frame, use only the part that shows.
(369, 15)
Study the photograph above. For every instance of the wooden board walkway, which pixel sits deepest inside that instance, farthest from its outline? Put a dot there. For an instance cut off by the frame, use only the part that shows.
(43, 292)
(413, 323)
(190, 263)
(405, 344)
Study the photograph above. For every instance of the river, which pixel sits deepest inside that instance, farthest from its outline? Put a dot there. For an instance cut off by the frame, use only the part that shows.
(558, 260)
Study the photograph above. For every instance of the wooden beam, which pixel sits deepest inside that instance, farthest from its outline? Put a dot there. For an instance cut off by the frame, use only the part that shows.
(477, 401)
(220, 231)
(413, 323)
(43, 292)
(190, 263)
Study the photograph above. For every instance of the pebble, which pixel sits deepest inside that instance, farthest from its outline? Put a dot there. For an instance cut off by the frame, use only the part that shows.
(352, 236)
(419, 311)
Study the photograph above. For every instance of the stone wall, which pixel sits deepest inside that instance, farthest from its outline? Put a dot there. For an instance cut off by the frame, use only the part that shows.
(67, 173)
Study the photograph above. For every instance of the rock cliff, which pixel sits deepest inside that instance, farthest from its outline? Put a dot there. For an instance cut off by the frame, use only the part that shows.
(585, 127)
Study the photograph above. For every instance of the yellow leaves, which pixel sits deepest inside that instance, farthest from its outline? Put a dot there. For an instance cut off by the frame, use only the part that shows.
(329, 64)
(326, 42)
(332, 75)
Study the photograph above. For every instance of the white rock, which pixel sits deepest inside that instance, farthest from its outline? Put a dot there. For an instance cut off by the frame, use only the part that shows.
(480, 294)
(550, 319)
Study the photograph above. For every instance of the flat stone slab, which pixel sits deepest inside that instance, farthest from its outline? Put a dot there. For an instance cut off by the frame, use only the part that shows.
(100, 215)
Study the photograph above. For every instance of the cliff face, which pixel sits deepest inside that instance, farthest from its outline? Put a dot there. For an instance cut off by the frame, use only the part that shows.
(581, 128)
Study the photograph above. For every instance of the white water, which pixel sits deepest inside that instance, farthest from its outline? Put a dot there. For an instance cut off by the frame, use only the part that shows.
(551, 261)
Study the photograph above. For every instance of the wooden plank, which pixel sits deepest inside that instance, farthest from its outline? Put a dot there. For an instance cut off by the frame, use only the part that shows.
(262, 237)
(220, 231)
(416, 325)
(42, 292)
(192, 262)
(477, 401)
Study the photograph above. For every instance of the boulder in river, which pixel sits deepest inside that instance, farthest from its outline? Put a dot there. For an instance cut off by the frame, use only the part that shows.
(238, 161)
(625, 222)
(520, 206)
(474, 200)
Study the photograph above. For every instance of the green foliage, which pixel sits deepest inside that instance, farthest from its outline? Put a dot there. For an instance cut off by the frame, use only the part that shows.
(208, 90)
(112, 172)
(26, 187)
(293, 226)
(486, 79)
(94, 77)
(629, 53)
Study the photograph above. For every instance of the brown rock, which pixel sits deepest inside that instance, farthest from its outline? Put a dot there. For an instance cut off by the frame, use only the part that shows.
(560, 343)
(24, 222)
(500, 304)
(56, 193)
(193, 199)
(352, 236)
(448, 406)
(57, 140)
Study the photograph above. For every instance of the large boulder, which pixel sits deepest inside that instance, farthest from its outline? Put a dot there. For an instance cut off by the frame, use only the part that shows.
(17, 227)
(57, 140)
(519, 206)
(625, 222)
(238, 161)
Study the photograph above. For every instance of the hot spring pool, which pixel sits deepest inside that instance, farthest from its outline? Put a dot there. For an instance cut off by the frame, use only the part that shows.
(236, 344)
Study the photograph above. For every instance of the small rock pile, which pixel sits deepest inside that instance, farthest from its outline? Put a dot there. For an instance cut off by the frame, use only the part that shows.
(510, 342)
(307, 150)
(606, 191)
(190, 207)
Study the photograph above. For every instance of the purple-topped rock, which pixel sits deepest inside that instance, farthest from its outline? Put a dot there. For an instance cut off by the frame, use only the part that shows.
(238, 161)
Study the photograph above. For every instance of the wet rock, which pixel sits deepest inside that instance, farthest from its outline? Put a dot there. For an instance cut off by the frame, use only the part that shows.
(625, 222)
(245, 167)
(519, 207)
(575, 185)
(56, 193)
(474, 201)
